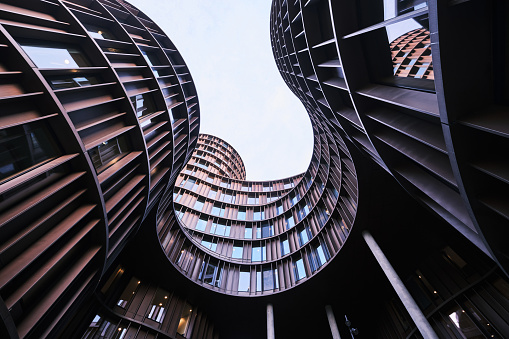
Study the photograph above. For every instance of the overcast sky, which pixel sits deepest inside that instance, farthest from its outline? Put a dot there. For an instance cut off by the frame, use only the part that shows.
(243, 99)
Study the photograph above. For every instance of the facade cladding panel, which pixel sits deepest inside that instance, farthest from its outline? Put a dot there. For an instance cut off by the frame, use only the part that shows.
(107, 231)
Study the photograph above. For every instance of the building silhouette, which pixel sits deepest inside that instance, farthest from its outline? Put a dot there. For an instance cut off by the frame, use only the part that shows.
(119, 220)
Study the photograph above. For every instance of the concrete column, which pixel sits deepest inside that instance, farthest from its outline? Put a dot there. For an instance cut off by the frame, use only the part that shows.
(332, 323)
(415, 312)
(270, 322)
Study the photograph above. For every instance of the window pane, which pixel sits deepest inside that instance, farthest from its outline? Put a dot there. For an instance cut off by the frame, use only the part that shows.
(54, 55)
(184, 319)
(244, 281)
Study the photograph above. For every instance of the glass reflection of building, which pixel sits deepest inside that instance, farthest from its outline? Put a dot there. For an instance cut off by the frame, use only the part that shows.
(107, 231)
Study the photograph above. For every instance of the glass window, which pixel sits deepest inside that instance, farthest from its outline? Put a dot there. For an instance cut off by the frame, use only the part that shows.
(151, 58)
(108, 153)
(290, 222)
(212, 193)
(22, 147)
(99, 33)
(128, 293)
(157, 308)
(244, 281)
(268, 279)
(258, 253)
(210, 274)
(198, 205)
(184, 319)
(54, 55)
(267, 230)
(248, 233)
(59, 82)
(143, 104)
(237, 252)
(201, 224)
(303, 236)
(258, 281)
(209, 244)
(298, 269)
(279, 208)
(242, 213)
(285, 247)
(190, 183)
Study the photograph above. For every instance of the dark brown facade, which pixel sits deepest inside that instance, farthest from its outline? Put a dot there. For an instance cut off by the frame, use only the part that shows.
(98, 116)
(399, 223)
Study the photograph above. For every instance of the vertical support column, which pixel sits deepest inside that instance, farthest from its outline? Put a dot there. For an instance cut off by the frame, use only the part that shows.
(270, 322)
(332, 323)
(415, 312)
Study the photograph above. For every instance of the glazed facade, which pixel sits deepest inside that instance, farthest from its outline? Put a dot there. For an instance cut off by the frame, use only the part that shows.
(253, 238)
(99, 114)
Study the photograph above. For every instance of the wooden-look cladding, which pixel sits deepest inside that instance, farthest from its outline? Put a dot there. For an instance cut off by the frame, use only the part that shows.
(445, 147)
(141, 309)
(290, 222)
(67, 205)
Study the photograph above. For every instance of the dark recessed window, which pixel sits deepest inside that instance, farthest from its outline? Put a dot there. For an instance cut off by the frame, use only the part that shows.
(23, 147)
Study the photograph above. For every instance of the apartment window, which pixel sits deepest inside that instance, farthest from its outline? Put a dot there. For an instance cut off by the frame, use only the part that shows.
(198, 205)
(54, 55)
(270, 280)
(237, 252)
(157, 308)
(184, 320)
(212, 193)
(108, 153)
(201, 224)
(304, 236)
(285, 247)
(99, 33)
(290, 222)
(209, 244)
(128, 293)
(190, 183)
(23, 147)
(220, 229)
(298, 269)
(267, 230)
(242, 213)
(244, 281)
(143, 104)
(258, 253)
(59, 82)
(210, 274)
(248, 233)
(151, 58)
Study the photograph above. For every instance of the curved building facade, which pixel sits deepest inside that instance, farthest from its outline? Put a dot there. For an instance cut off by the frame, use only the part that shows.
(118, 220)
(255, 238)
(99, 114)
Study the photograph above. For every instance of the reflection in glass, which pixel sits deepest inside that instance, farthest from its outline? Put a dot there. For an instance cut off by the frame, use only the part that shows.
(23, 147)
(184, 319)
(143, 104)
(298, 269)
(156, 309)
(237, 252)
(54, 55)
(70, 82)
(108, 153)
(244, 281)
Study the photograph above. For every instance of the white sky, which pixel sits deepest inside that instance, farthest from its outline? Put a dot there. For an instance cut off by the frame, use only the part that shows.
(243, 99)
